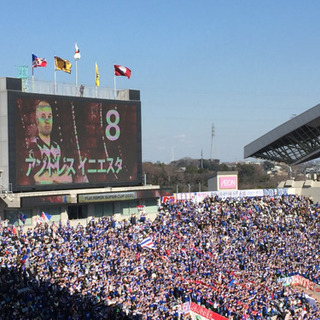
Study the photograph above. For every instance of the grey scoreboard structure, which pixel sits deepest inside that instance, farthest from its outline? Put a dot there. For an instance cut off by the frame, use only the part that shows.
(71, 155)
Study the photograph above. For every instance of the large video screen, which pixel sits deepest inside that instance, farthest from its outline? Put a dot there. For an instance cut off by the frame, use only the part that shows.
(58, 142)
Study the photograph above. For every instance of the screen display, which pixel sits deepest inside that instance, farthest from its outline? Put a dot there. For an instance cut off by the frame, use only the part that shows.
(62, 141)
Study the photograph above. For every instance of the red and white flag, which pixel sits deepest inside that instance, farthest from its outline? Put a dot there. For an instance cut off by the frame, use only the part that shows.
(122, 71)
(77, 55)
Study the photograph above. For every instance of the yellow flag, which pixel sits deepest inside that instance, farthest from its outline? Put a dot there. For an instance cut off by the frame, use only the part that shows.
(63, 65)
(97, 76)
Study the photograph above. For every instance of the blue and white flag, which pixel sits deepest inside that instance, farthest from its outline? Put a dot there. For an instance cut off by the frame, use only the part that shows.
(147, 243)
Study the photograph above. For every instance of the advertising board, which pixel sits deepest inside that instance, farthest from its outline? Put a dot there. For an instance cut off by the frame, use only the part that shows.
(228, 182)
(47, 201)
(59, 142)
(198, 312)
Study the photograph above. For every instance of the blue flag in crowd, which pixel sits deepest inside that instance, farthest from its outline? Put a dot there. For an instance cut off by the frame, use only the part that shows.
(231, 282)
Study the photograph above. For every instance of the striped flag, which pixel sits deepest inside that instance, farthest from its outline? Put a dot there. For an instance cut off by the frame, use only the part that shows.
(147, 243)
(45, 216)
(24, 259)
(197, 250)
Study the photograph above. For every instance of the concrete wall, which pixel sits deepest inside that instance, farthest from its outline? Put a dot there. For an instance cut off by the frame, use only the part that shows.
(4, 158)
(307, 188)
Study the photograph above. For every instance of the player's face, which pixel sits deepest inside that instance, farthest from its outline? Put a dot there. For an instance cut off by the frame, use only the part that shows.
(44, 120)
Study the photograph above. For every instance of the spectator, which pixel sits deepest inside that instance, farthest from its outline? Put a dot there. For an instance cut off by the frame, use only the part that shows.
(226, 254)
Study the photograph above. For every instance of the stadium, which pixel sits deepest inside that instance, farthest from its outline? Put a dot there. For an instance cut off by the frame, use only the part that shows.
(82, 235)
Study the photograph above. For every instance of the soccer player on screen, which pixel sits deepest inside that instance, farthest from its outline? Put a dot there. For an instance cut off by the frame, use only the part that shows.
(47, 164)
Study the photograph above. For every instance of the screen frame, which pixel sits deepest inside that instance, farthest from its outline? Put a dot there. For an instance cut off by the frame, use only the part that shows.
(13, 97)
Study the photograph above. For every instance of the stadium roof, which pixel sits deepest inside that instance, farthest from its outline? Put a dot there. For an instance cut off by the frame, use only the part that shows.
(294, 142)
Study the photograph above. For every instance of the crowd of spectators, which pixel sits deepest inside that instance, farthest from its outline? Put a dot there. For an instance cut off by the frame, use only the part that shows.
(225, 254)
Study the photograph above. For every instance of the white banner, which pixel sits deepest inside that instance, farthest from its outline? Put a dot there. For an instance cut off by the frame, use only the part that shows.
(200, 196)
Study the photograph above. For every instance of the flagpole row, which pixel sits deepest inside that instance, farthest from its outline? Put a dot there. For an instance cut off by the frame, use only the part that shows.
(65, 65)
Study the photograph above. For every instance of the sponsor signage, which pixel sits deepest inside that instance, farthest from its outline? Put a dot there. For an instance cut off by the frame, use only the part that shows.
(300, 281)
(49, 200)
(201, 313)
(228, 182)
(166, 199)
(200, 196)
(103, 197)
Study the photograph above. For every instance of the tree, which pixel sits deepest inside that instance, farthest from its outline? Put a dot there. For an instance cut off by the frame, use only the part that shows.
(268, 165)
(179, 174)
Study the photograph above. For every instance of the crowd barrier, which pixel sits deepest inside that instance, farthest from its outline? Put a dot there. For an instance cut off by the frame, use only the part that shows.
(200, 196)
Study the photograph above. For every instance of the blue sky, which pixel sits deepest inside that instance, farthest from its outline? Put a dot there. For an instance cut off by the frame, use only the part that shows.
(243, 66)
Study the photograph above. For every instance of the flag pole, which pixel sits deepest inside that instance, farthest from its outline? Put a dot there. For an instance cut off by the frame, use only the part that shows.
(55, 76)
(55, 81)
(114, 87)
(32, 78)
(95, 77)
(76, 74)
(76, 58)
